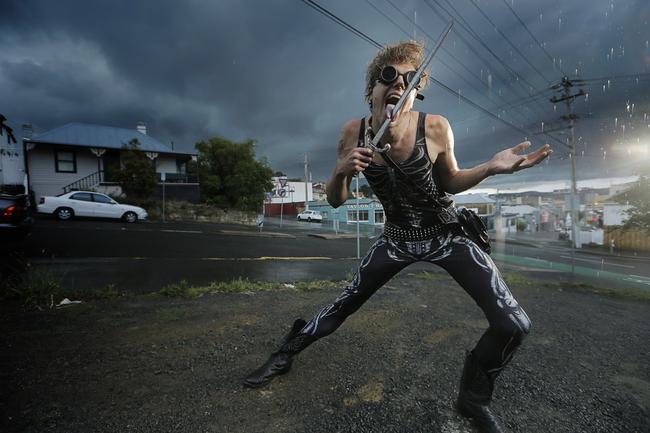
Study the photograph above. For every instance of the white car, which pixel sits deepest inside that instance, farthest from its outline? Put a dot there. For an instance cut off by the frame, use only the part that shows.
(310, 215)
(89, 204)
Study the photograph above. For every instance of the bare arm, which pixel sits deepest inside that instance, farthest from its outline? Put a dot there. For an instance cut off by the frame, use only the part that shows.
(350, 160)
(454, 180)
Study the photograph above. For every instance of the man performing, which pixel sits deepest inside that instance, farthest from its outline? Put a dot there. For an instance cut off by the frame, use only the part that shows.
(421, 225)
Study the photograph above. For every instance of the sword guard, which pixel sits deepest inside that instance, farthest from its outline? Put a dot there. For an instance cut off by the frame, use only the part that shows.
(384, 149)
(368, 142)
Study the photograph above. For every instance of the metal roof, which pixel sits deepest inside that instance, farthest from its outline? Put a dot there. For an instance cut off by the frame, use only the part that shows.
(106, 137)
(473, 199)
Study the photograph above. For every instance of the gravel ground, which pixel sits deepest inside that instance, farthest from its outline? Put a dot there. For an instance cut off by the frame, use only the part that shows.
(152, 364)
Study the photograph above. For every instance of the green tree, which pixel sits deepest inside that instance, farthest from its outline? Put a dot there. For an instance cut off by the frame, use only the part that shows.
(639, 197)
(231, 176)
(137, 174)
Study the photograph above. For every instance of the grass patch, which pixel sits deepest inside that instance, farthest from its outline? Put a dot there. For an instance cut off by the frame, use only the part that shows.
(36, 290)
(176, 290)
(624, 293)
(517, 279)
(170, 314)
(429, 276)
(242, 285)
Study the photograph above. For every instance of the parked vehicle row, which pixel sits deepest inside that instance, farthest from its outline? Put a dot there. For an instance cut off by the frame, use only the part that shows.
(89, 204)
(15, 220)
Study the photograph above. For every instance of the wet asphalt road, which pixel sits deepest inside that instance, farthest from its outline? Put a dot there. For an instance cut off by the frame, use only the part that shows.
(141, 258)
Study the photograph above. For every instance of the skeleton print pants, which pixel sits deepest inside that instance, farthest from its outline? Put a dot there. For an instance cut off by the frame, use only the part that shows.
(472, 268)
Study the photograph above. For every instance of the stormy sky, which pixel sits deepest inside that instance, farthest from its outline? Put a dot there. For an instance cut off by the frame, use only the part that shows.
(283, 74)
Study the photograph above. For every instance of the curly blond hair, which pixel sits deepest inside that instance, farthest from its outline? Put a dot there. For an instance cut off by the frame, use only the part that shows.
(402, 52)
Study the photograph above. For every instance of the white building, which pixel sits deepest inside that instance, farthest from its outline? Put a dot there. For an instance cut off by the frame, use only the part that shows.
(289, 192)
(11, 163)
(614, 214)
(80, 156)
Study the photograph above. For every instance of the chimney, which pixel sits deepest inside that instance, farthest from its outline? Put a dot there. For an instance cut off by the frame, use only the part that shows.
(141, 127)
(28, 130)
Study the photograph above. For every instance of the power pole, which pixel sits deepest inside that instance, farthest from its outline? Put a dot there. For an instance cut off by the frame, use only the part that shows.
(306, 182)
(568, 98)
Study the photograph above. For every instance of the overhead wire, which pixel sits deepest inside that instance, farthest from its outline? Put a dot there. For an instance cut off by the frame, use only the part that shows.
(431, 38)
(340, 22)
(467, 44)
(551, 58)
(370, 40)
(503, 35)
(468, 28)
(379, 11)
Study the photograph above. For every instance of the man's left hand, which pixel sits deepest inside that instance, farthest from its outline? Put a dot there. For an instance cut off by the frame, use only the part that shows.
(511, 160)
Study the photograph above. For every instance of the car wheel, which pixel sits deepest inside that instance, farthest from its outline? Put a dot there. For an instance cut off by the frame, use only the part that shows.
(130, 217)
(64, 213)
(309, 219)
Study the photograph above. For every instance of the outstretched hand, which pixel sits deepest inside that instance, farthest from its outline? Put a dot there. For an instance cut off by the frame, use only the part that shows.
(511, 160)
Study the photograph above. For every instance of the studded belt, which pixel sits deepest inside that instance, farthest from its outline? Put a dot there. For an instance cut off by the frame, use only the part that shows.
(413, 234)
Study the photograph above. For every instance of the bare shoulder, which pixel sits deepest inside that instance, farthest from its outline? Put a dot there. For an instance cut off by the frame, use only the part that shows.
(440, 139)
(349, 135)
(351, 128)
(437, 125)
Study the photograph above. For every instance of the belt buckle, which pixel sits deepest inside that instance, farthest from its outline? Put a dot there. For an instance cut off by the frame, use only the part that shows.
(446, 216)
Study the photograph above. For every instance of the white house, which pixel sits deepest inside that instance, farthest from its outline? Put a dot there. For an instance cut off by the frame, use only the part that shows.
(287, 197)
(615, 214)
(11, 163)
(84, 156)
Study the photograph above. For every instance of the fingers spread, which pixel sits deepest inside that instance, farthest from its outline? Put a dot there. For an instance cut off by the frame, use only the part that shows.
(521, 146)
(517, 165)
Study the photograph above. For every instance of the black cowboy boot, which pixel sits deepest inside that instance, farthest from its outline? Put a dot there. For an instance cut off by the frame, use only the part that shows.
(476, 387)
(280, 361)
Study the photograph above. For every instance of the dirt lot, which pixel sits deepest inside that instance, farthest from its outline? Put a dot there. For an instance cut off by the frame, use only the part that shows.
(154, 364)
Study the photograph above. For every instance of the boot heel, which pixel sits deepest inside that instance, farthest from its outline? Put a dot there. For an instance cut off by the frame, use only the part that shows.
(280, 361)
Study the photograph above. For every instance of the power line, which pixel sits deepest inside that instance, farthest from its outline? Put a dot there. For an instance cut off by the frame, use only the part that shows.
(508, 40)
(431, 38)
(476, 53)
(444, 49)
(340, 22)
(465, 25)
(551, 58)
(368, 39)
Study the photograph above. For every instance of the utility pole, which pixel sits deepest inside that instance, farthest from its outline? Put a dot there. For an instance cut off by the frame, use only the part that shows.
(568, 98)
(357, 200)
(306, 182)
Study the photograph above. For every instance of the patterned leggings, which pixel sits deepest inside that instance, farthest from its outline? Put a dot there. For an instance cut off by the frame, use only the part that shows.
(465, 262)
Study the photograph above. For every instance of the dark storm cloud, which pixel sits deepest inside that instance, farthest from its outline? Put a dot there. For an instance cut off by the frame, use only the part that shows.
(286, 76)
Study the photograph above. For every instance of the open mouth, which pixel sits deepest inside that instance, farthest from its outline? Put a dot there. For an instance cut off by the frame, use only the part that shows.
(391, 101)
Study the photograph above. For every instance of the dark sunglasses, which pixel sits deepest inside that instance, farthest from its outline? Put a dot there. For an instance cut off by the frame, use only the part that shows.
(389, 74)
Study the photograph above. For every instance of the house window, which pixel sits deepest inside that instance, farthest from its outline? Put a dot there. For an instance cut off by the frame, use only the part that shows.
(65, 161)
(352, 215)
(181, 166)
(379, 217)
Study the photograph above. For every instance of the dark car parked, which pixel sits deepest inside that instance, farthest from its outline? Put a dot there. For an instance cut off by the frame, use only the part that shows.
(15, 218)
